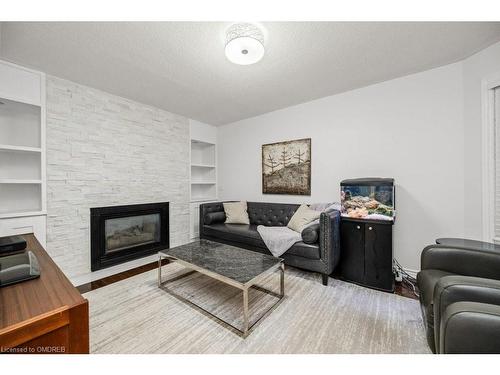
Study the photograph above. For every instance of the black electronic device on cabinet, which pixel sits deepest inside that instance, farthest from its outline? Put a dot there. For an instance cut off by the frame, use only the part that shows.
(16, 264)
(12, 245)
(368, 213)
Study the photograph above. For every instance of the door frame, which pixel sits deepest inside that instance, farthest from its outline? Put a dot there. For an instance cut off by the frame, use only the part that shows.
(488, 156)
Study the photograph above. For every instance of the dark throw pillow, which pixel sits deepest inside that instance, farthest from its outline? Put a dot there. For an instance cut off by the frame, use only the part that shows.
(214, 218)
(310, 234)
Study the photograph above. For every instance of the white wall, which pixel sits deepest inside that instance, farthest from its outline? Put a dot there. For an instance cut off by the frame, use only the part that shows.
(103, 150)
(409, 128)
(481, 66)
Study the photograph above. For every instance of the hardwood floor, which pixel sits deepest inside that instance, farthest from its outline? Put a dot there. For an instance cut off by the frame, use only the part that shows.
(96, 284)
(403, 290)
(400, 288)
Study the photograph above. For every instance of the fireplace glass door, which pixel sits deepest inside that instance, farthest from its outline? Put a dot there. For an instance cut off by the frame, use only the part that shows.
(119, 234)
(126, 232)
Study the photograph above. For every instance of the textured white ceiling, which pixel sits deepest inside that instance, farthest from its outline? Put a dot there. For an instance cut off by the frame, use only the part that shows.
(181, 67)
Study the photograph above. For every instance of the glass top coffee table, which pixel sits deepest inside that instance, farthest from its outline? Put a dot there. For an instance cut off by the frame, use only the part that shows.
(240, 268)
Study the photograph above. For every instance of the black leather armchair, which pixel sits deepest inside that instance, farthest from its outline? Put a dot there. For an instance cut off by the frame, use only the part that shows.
(460, 298)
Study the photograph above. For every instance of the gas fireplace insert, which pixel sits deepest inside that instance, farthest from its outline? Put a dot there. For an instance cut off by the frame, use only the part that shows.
(122, 233)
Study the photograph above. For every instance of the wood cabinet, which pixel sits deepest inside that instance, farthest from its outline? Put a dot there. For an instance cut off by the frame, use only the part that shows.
(366, 253)
(43, 315)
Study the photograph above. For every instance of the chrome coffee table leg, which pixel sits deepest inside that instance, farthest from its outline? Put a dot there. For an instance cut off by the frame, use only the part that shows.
(282, 279)
(159, 270)
(246, 329)
(245, 312)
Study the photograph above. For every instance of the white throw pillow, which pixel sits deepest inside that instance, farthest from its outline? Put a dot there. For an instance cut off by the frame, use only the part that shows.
(303, 216)
(236, 213)
(334, 207)
(319, 206)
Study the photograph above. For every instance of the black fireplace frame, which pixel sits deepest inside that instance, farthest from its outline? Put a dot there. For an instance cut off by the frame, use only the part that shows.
(98, 217)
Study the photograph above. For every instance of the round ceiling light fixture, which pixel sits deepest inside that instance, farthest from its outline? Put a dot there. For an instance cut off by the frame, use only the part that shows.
(244, 44)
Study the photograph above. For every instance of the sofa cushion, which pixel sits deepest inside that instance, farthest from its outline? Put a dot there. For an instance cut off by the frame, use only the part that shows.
(310, 234)
(271, 214)
(303, 216)
(304, 250)
(236, 213)
(235, 233)
(248, 234)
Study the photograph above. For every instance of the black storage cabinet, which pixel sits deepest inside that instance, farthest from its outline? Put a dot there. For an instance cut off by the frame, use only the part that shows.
(366, 245)
(366, 253)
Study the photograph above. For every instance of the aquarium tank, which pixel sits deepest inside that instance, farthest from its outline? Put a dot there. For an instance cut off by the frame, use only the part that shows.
(368, 198)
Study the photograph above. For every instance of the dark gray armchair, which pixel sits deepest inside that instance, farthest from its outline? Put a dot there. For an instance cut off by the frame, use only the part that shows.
(460, 298)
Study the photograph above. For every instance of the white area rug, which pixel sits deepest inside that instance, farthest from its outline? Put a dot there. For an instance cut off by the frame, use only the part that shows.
(135, 316)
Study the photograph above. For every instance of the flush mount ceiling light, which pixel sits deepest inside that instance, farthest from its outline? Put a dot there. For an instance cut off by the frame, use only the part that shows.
(244, 44)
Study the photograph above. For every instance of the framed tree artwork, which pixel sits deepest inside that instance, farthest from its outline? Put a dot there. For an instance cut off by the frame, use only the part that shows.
(286, 167)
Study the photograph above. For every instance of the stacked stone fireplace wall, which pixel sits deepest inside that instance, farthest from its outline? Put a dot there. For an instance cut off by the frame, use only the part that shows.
(103, 150)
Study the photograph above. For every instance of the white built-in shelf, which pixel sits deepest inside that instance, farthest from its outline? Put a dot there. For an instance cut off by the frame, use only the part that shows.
(22, 150)
(203, 191)
(20, 124)
(200, 142)
(203, 171)
(18, 181)
(204, 199)
(202, 154)
(202, 166)
(18, 197)
(19, 148)
(22, 214)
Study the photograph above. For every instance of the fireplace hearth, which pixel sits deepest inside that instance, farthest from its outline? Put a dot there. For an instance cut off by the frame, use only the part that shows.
(122, 233)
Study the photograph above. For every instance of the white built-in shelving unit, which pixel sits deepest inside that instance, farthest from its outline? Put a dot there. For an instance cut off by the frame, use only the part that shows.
(22, 151)
(203, 170)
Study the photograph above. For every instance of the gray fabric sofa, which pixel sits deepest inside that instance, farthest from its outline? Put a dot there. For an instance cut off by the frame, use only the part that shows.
(318, 252)
(460, 299)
